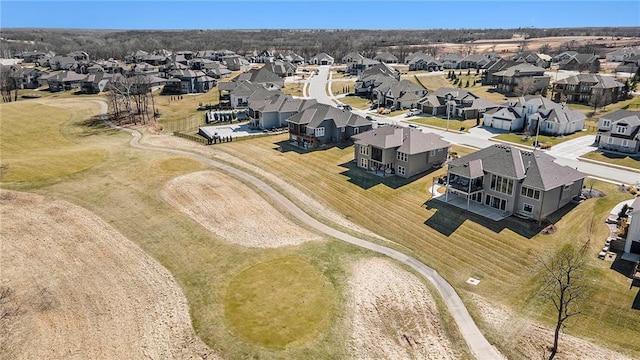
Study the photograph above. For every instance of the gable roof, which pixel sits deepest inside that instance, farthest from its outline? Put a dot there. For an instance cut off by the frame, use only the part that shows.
(314, 115)
(523, 69)
(385, 56)
(405, 139)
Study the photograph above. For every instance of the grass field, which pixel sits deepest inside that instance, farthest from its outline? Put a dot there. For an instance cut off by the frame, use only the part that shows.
(617, 159)
(430, 82)
(356, 101)
(503, 255)
(179, 115)
(454, 124)
(293, 88)
(338, 87)
(554, 140)
(279, 302)
(35, 142)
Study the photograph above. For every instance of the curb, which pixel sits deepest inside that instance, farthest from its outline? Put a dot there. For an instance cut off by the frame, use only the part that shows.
(621, 167)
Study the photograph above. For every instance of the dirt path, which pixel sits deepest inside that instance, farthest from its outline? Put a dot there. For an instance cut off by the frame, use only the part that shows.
(531, 339)
(78, 289)
(392, 315)
(233, 211)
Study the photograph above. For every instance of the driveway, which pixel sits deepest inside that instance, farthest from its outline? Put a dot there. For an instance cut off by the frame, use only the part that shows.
(574, 148)
(318, 85)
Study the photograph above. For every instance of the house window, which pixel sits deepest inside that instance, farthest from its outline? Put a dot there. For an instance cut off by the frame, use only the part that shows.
(527, 208)
(549, 126)
(625, 143)
(401, 170)
(606, 123)
(402, 156)
(364, 163)
(620, 129)
(356, 131)
(501, 184)
(530, 193)
(319, 132)
(609, 140)
(364, 150)
(433, 153)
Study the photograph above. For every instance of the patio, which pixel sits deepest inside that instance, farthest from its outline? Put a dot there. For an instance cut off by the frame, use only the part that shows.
(474, 207)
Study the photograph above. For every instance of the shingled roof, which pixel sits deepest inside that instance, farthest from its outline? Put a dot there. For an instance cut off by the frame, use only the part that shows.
(405, 139)
(314, 115)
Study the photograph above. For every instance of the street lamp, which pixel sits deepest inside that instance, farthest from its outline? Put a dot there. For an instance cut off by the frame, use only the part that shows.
(448, 112)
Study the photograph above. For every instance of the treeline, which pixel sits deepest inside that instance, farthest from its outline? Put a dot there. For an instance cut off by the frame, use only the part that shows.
(104, 44)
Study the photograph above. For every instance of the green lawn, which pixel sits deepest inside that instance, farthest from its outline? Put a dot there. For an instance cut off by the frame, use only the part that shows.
(356, 101)
(278, 302)
(458, 244)
(617, 159)
(454, 124)
(554, 140)
(35, 142)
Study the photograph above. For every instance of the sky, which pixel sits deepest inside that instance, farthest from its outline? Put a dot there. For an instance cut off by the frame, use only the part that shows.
(301, 14)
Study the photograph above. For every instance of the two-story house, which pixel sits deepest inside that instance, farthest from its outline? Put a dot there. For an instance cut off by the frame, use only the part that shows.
(511, 181)
(398, 150)
(450, 60)
(421, 61)
(274, 111)
(588, 89)
(581, 62)
(352, 57)
(513, 79)
(359, 66)
(320, 125)
(263, 76)
(536, 59)
(236, 63)
(619, 131)
(374, 76)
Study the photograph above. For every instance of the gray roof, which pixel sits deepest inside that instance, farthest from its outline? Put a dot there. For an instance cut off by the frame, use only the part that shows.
(385, 56)
(263, 75)
(523, 69)
(535, 169)
(631, 116)
(314, 115)
(405, 139)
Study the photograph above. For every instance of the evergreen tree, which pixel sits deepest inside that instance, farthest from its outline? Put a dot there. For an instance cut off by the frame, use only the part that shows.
(467, 84)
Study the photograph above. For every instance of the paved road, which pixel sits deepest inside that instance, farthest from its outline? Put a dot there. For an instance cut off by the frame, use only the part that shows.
(318, 85)
(478, 344)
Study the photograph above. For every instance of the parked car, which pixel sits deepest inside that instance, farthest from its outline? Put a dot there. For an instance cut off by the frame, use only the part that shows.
(374, 106)
(413, 126)
(414, 112)
(370, 118)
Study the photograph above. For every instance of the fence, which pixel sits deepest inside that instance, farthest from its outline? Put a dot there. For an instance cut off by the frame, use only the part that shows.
(196, 138)
(190, 124)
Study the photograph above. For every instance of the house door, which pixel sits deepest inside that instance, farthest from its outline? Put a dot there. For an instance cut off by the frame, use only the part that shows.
(496, 202)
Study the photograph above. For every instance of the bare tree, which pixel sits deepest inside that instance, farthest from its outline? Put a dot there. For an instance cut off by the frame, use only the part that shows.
(525, 86)
(10, 77)
(600, 99)
(563, 287)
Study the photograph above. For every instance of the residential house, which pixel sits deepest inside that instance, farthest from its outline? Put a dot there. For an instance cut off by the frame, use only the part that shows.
(522, 78)
(374, 76)
(566, 55)
(188, 82)
(475, 61)
(236, 63)
(237, 93)
(622, 54)
(629, 65)
(386, 58)
(185, 54)
(357, 67)
(263, 76)
(450, 60)
(535, 114)
(31, 78)
(619, 131)
(421, 61)
(264, 57)
(403, 94)
(281, 68)
(95, 83)
(588, 89)
(320, 125)
(158, 59)
(62, 63)
(79, 56)
(34, 56)
(632, 243)
(65, 80)
(536, 59)
(216, 70)
(274, 111)
(512, 181)
(135, 57)
(198, 63)
(352, 57)
(143, 68)
(399, 150)
(290, 57)
(494, 66)
(461, 103)
(321, 59)
(581, 62)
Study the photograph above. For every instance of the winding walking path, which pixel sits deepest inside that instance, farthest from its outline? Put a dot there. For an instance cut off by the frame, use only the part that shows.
(478, 344)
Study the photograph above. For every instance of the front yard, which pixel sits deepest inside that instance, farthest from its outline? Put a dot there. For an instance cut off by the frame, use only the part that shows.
(454, 124)
(521, 139)
(614, 158)
(356, 101)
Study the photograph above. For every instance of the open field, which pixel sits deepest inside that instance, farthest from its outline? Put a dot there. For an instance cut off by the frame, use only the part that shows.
(394, 316)
(35, 145)
(279, 302)
(293, 88)
(219, 203)
(460, 245)
(338, 87)
(80, 289)
(124, 190)
(430, 82)
(356, 101)
(617, 159)
(173, 113)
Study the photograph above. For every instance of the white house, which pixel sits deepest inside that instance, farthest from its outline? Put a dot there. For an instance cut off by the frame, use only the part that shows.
(321, 59)
(619, 131)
